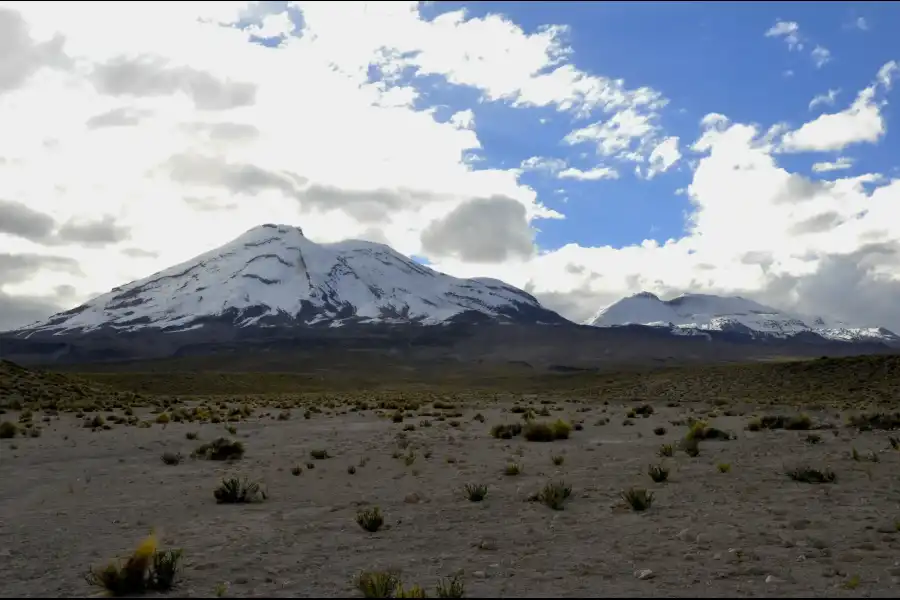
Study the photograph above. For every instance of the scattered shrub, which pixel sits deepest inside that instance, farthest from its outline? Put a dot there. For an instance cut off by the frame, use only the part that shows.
(638, 499)
(476, 492)
(8, 430)
(658, 473)
(147, 569)
(377, 584)
(554, 495)
(506, 432)
(172, 458)
(370, 519)
(238, 490)
(512, 469)
(220, 449)
(811, 475)
(450, 588)
(724, 467)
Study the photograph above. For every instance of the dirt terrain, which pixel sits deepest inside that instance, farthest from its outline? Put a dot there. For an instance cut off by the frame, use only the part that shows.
(74, 497)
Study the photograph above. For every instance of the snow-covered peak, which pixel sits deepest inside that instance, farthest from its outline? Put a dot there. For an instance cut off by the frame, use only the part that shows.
(273, 275)
(696, 313)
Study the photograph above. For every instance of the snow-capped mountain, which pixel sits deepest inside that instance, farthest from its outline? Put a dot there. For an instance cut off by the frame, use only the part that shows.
(274, 276)
(699, 314)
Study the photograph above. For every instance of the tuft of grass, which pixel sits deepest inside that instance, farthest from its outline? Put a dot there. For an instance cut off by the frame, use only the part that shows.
(351, 470)
(807, 474)
(895, 442)
(724, 467)
(555, 494)
(476, 492)
(319, 454)
(192, 435)
(147, 569)
(813, 438)
(558, 459)
(370, 519)
(377, 584)
(238, 490)
(451, 587)
(172, 458)
(414, 591)
(666, 450)
(868, 422)
(8, 430)
(868, 456)
(506, 431)
(658, 473)
(231, 429)
(691, 446)
(638, 499)
(220, 449)
(659, 431)
(296, 470)
(799, 422)
(512, 469)
(535, 431)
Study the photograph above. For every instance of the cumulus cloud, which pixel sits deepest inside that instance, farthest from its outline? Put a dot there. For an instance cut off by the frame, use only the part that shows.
(175, 125)
(152, 76)
(840, 164)
(482, 230)
(861, 122)
(827, 99)
(787, 30)
(664, 156)
(594, 174)
(22, 55)
(19, 220)
(821, 56)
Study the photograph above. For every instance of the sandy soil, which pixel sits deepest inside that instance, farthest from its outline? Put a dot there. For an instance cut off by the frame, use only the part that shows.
(73, 498)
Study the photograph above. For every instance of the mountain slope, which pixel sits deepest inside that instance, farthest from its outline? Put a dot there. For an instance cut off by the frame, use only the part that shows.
(273, 276)
(698, 314)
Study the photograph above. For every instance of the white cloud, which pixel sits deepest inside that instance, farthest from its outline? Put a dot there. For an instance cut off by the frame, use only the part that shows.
(887, 73)
(789, 30)
(861, 122)
(861, 24)
(542, 163)
(820, 55)
(827, 98)
(838, 165)
(594, 174)
(663, 156)
(170, 126)
(625, 135)
(464, 119)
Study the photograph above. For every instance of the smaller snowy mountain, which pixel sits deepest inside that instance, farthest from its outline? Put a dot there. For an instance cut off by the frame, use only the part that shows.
(699, 314)
(272, 276)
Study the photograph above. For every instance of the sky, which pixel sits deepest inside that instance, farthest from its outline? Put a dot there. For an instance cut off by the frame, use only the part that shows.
(581, 151)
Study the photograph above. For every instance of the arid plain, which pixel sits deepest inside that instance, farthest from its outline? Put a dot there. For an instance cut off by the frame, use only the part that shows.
(763, 480)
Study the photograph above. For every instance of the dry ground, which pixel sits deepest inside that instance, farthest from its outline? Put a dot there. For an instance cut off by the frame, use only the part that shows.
(76, 497)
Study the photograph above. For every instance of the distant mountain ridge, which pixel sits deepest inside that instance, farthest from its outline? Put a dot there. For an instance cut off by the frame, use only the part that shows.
(272, 291)
(699, 314)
